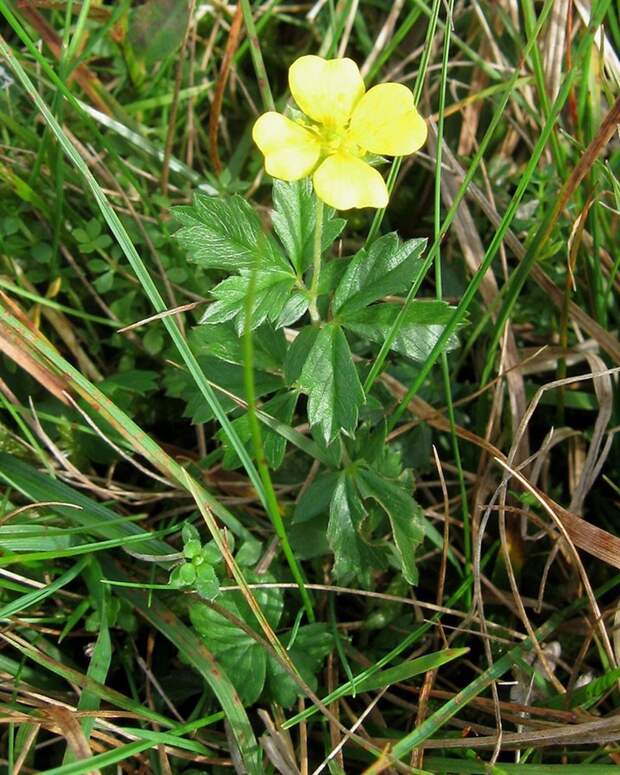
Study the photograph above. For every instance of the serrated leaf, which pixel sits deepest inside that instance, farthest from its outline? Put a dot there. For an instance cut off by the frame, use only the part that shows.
(226, 233)
(308, 540)
(389, 266)
(369, 444)
(423, 323)
(241, 657)
(294, 219)
(294, 308)
(404, 513)
(353, 556)
(331, 382)
(271, 292)
(156, 29)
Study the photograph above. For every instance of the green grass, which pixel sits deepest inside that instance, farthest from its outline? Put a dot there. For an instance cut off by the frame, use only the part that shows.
(185, 564)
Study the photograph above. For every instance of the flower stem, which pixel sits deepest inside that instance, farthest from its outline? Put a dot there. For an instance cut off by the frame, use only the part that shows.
(316, 263)
(257, 56)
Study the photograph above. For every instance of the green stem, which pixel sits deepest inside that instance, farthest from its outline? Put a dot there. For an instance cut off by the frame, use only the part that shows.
(488, 135)
(439, 291)
(257, 56)
(273, 507)
(316, 262)
(524, 267)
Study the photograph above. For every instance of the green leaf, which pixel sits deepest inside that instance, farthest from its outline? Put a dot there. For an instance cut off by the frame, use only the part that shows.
(189, 533)
(105, 282)
(316, 498)
(584, 696)
(192, 548)
(421, 328)
(182, 575)
(387, 267)
(404, 513)
(298, 352)
(271, 293)
(242, 658)
(132, 381)
(228, 376)
(224, 342)
(100, 520)
(353, 556)
(370, 445)
(42, 252)
(101, 654)
(81, 235)
(194, 651)
(330, 380)
(309, 539)
(249, 553)
(294, 308)
(156, 29)
(93, 228)
(331, 453)
(207, 582)
(294, 219)
(153, 340)
(312, 644)
(226, 233)
(331, 275)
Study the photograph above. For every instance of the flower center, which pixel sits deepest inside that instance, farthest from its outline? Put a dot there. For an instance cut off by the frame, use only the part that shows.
(336, 139)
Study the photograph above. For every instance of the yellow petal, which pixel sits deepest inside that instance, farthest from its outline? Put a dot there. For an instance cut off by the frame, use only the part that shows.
(291, 152)
(385, 121)
(326, 90)
(344, 181)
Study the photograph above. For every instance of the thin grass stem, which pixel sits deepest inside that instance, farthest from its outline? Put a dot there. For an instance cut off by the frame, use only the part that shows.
(257, 57)
(316, 262)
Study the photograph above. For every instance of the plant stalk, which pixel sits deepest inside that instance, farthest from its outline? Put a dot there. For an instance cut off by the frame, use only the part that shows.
(316, 262)
(257, 56)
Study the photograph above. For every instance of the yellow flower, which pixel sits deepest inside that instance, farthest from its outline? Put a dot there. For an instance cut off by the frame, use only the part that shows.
(343, 124)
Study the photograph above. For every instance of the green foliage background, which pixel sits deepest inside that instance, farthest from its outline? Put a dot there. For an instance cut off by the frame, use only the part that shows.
(233, 537)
